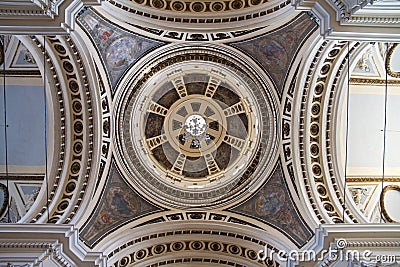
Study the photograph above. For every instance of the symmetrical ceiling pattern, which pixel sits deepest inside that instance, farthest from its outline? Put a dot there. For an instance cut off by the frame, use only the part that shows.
(197, 169)
(196, 133)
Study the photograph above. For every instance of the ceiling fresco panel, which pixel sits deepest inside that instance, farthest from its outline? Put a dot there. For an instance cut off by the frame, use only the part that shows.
(118, 205)
(273, 204)
(275, 51)
(117, 48)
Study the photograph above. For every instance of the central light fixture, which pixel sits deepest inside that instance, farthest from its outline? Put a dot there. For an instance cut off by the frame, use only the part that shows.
(195, 130)
(195, 125)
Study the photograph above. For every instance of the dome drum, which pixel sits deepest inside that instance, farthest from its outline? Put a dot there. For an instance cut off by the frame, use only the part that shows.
(197, 127)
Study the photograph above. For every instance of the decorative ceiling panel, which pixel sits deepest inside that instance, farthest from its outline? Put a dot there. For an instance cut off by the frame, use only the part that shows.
(273, 205)
(40, 17)
(118, 205)
(118, 48)
(275, 51)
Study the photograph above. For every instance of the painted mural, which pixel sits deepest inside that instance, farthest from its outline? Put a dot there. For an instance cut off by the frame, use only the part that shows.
(119, 204)
(118, 48)
(273, 205)
(275, 51)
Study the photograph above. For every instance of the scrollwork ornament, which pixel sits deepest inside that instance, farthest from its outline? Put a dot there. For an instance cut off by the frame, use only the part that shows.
(382, 202)
(392, 73)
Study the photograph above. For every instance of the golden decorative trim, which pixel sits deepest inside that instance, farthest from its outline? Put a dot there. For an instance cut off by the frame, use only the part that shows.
(30, 177)
(21, 73)
(382, 201)
(391, 72)
(362, 179)
(373, 81)
(2, 51)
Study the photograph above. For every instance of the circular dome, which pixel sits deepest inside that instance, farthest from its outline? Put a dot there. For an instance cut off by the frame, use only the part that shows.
(197, 125)
(196, 128)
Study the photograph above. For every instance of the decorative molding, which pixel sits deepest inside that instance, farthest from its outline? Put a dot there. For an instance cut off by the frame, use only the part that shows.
(82, 140)
(197, 7)
(349, 242)
(355, 20)
(22, 73)
(106, 128)
(287, 125)
(199, 36)
(369, 244)
(331, 89)
(76, 122)
(40, 17)
(373, 81)
(219, 192)
(209, 261)
(364, 179)
(193, 25)
(382, 202)
(198, 215)
(197, 250)
(176, 16)
(35, 243)
(59, 102)
(47, 249)
(192, 242)
(347, 8)
(389, 70)
(286, 128)
(316, 161)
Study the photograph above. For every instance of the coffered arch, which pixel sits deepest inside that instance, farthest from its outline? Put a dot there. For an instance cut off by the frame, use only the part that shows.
(198, 16)
(72, 146)
(199, 241)
(321, 85)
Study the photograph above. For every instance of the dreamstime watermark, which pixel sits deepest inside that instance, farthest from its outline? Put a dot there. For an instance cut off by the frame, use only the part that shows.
(337, 253)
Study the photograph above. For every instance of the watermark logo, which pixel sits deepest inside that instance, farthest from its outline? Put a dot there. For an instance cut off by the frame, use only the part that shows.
(341, 243)
(340, 252)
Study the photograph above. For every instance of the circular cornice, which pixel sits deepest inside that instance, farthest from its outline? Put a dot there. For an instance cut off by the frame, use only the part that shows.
(195, 7)
(205, 91)
(144, 245)
(164, 175)
(198, 16)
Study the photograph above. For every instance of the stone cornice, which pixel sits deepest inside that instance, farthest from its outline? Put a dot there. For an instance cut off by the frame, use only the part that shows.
(40, 17)
(354, 20)
(42, 241)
